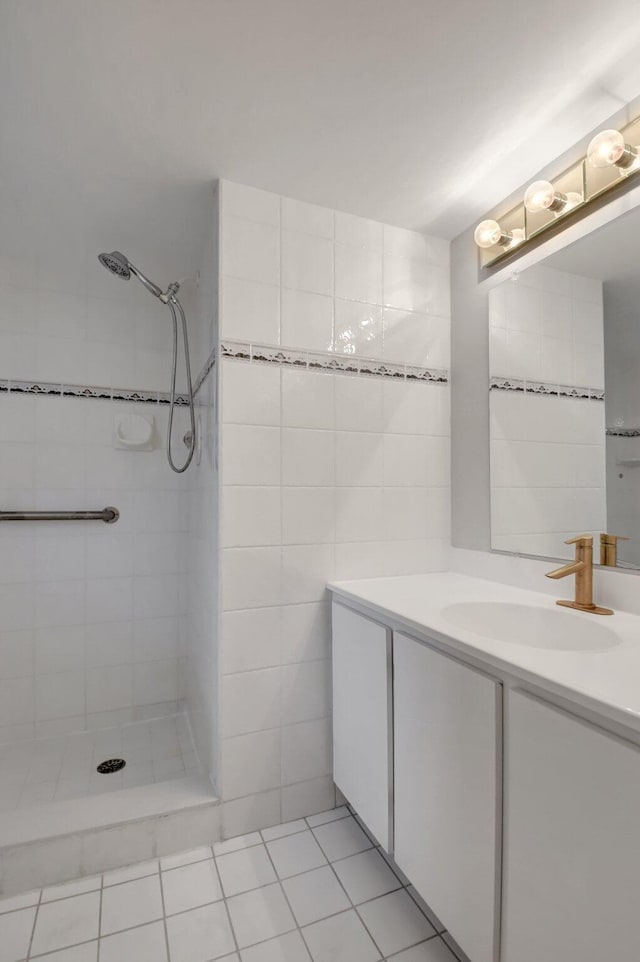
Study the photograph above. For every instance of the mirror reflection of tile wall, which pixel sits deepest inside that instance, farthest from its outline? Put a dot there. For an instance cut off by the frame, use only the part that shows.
(547, 411)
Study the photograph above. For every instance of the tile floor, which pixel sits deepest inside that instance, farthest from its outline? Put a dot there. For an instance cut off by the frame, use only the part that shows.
(56, 769)
(315, 889)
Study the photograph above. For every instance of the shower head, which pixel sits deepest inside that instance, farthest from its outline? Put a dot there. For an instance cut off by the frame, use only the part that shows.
(117, 263)
(121, 266)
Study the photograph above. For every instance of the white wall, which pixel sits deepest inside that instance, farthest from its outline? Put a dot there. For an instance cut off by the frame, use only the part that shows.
(324, 474)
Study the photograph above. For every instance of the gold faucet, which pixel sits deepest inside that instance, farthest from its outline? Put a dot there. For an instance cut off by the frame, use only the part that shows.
(582, 568)
(609, 548)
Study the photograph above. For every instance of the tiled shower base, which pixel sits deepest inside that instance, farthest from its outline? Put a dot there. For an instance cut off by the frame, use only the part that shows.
(57, 769)
(315, 890)
(62, 819)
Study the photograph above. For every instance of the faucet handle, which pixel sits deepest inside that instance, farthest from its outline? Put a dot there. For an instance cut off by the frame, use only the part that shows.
(606, 538)
(582, 540)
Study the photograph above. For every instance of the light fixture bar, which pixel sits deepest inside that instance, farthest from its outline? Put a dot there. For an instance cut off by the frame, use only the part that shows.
(612, 157)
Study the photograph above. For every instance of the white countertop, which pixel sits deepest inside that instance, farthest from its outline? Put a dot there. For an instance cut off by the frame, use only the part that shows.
(607, 682)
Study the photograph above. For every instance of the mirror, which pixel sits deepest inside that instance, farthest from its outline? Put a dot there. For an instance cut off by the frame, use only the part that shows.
(565, 400)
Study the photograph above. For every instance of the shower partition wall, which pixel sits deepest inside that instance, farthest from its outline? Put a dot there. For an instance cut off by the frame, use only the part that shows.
(98, 621)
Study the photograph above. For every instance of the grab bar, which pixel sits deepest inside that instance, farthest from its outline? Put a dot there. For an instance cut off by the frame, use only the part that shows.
(109, 515)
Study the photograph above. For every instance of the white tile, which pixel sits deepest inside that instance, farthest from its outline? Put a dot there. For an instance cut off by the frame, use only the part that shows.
(415, 286)
(304, 798)
(132, 903)
(185, 858)
(307, 515)
(395, 922)
(250, 250)
(357, 329)
(251, 763)
(23, 901)
(411, 244)
(305, 691)
(251, 312)
(259, 915)
(307, 218)
(249, 516)
(307, 457)
(341, 838)
(281, 831)
(366, 876)
(358, 403)
(294, 854)
(307, 399)
(306, 632)
(245, 870)
(250, 639)
(342, 938)
(306, 320)
(237, 843)
(250, 454)
(284, 948)
(358, 274)
(250, 203)
(67, 889)
(359, 514)
(306, 569)
(66, 923)
(251, 393)
(190, 886)
(434, 950)
(131, 872)
(250, 701)
(200, 935)
(307, 263)
(358, 232)
(144, 944)
(88, 952)
(332, 815)
(306, 751)
(60, 695)
(15, 933)
(315, 895)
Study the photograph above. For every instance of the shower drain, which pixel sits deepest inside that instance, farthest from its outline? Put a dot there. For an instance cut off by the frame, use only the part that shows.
(111, 765)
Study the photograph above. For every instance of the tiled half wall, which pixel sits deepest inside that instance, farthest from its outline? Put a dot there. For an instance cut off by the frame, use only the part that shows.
(334, 465)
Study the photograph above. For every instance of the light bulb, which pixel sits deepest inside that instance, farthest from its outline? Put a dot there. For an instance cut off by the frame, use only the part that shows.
(608, 148)
(488, 234)
(539, 196)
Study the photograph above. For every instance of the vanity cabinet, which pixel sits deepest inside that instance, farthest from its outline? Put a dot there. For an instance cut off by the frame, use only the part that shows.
(572, 838)
(361, 717)
(447, 762)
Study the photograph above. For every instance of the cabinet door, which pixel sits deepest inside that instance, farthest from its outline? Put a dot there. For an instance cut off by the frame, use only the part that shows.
(361, 732)
(446, 749)
(572, 838)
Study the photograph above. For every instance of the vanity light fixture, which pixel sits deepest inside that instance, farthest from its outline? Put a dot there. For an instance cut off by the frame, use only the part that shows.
(542, 195)
(611, 161)
(609, 149)
(489, 234)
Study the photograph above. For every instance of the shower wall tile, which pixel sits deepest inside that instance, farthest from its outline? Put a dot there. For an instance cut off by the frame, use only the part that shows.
(323, 474)
(80, 606)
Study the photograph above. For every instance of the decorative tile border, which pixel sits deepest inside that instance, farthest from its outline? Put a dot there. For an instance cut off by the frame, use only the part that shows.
(89, 391)
(623, 432)
(327, 361)
(545, 388)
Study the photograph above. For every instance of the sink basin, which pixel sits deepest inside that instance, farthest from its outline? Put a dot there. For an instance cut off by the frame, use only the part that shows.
(547, 628)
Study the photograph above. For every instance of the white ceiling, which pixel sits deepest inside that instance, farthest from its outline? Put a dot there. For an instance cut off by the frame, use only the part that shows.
(117, 115)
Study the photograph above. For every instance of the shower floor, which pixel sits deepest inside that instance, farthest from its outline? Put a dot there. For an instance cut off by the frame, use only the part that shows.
(55, 769)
